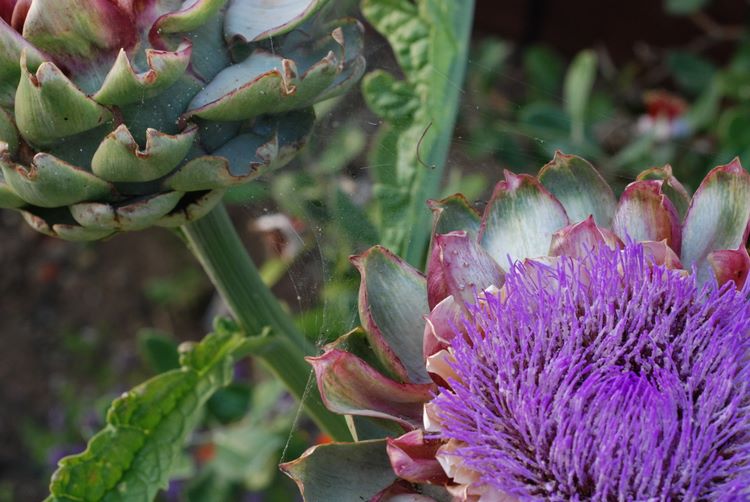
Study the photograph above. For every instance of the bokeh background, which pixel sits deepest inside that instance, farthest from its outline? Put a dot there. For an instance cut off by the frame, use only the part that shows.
(81, 323)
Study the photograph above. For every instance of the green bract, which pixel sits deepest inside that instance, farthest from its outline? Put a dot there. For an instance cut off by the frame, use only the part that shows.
(120, 114)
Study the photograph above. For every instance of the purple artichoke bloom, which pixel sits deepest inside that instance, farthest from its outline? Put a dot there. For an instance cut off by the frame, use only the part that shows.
(608, 378)
(564, 344)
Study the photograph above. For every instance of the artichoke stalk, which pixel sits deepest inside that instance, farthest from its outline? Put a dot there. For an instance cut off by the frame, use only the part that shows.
(470, 359)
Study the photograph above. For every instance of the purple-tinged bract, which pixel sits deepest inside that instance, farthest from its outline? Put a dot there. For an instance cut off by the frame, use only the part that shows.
(607, 378)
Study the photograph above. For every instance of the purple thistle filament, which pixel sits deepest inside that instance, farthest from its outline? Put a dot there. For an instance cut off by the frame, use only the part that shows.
(606, 379)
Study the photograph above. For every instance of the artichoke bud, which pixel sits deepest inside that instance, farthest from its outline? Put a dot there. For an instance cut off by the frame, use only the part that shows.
(117, 115)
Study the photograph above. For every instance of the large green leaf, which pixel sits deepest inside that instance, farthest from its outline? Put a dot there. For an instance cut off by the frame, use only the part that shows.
(430, 41)
(132, 457)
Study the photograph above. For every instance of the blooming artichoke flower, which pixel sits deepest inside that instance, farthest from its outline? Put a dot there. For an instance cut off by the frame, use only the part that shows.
(120, 114)
(603, 378)
(564, 345)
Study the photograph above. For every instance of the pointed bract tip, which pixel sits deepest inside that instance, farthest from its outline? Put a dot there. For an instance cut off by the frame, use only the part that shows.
(560, 155)
(512, 181)
(734, 167)
(657, 172)
(434, 205)
(358, 259)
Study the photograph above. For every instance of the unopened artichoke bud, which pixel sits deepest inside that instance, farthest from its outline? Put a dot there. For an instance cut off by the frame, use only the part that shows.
(117, 115)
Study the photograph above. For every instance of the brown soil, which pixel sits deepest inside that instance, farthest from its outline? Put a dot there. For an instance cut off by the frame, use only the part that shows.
(54, 292)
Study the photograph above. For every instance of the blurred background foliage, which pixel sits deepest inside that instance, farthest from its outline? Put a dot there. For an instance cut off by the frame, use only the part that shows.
(627, 89)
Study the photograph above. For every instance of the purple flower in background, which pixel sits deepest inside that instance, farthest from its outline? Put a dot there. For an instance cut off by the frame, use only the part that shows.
(604, 378)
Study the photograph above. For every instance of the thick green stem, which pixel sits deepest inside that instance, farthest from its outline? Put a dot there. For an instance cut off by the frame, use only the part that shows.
(214, 241)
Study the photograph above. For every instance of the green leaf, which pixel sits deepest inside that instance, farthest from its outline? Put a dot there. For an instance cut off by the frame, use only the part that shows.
(8, 198)
(400, 21)
(13, 45)
(579, 80)
(704, 110)
(544, 119)
(544, 70)
(430, 41)
(249, 454)
(683, 7)
(342, 471)
(263, 83)
(382, 157)
(249, 451)
(159, 350)
(692, 73)
(247, 193)
(304, 70)
(230, 403)
(132, 457)
(391, 99)
(356, 342)
(489, 57)
(353, 220)
(734, 128)
(346, 144)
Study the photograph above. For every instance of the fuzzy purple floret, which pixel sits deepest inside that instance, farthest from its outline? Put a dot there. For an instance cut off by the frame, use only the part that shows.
(610, 379)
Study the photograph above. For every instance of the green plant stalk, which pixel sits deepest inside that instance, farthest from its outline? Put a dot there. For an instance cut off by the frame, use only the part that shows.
(214, 241)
